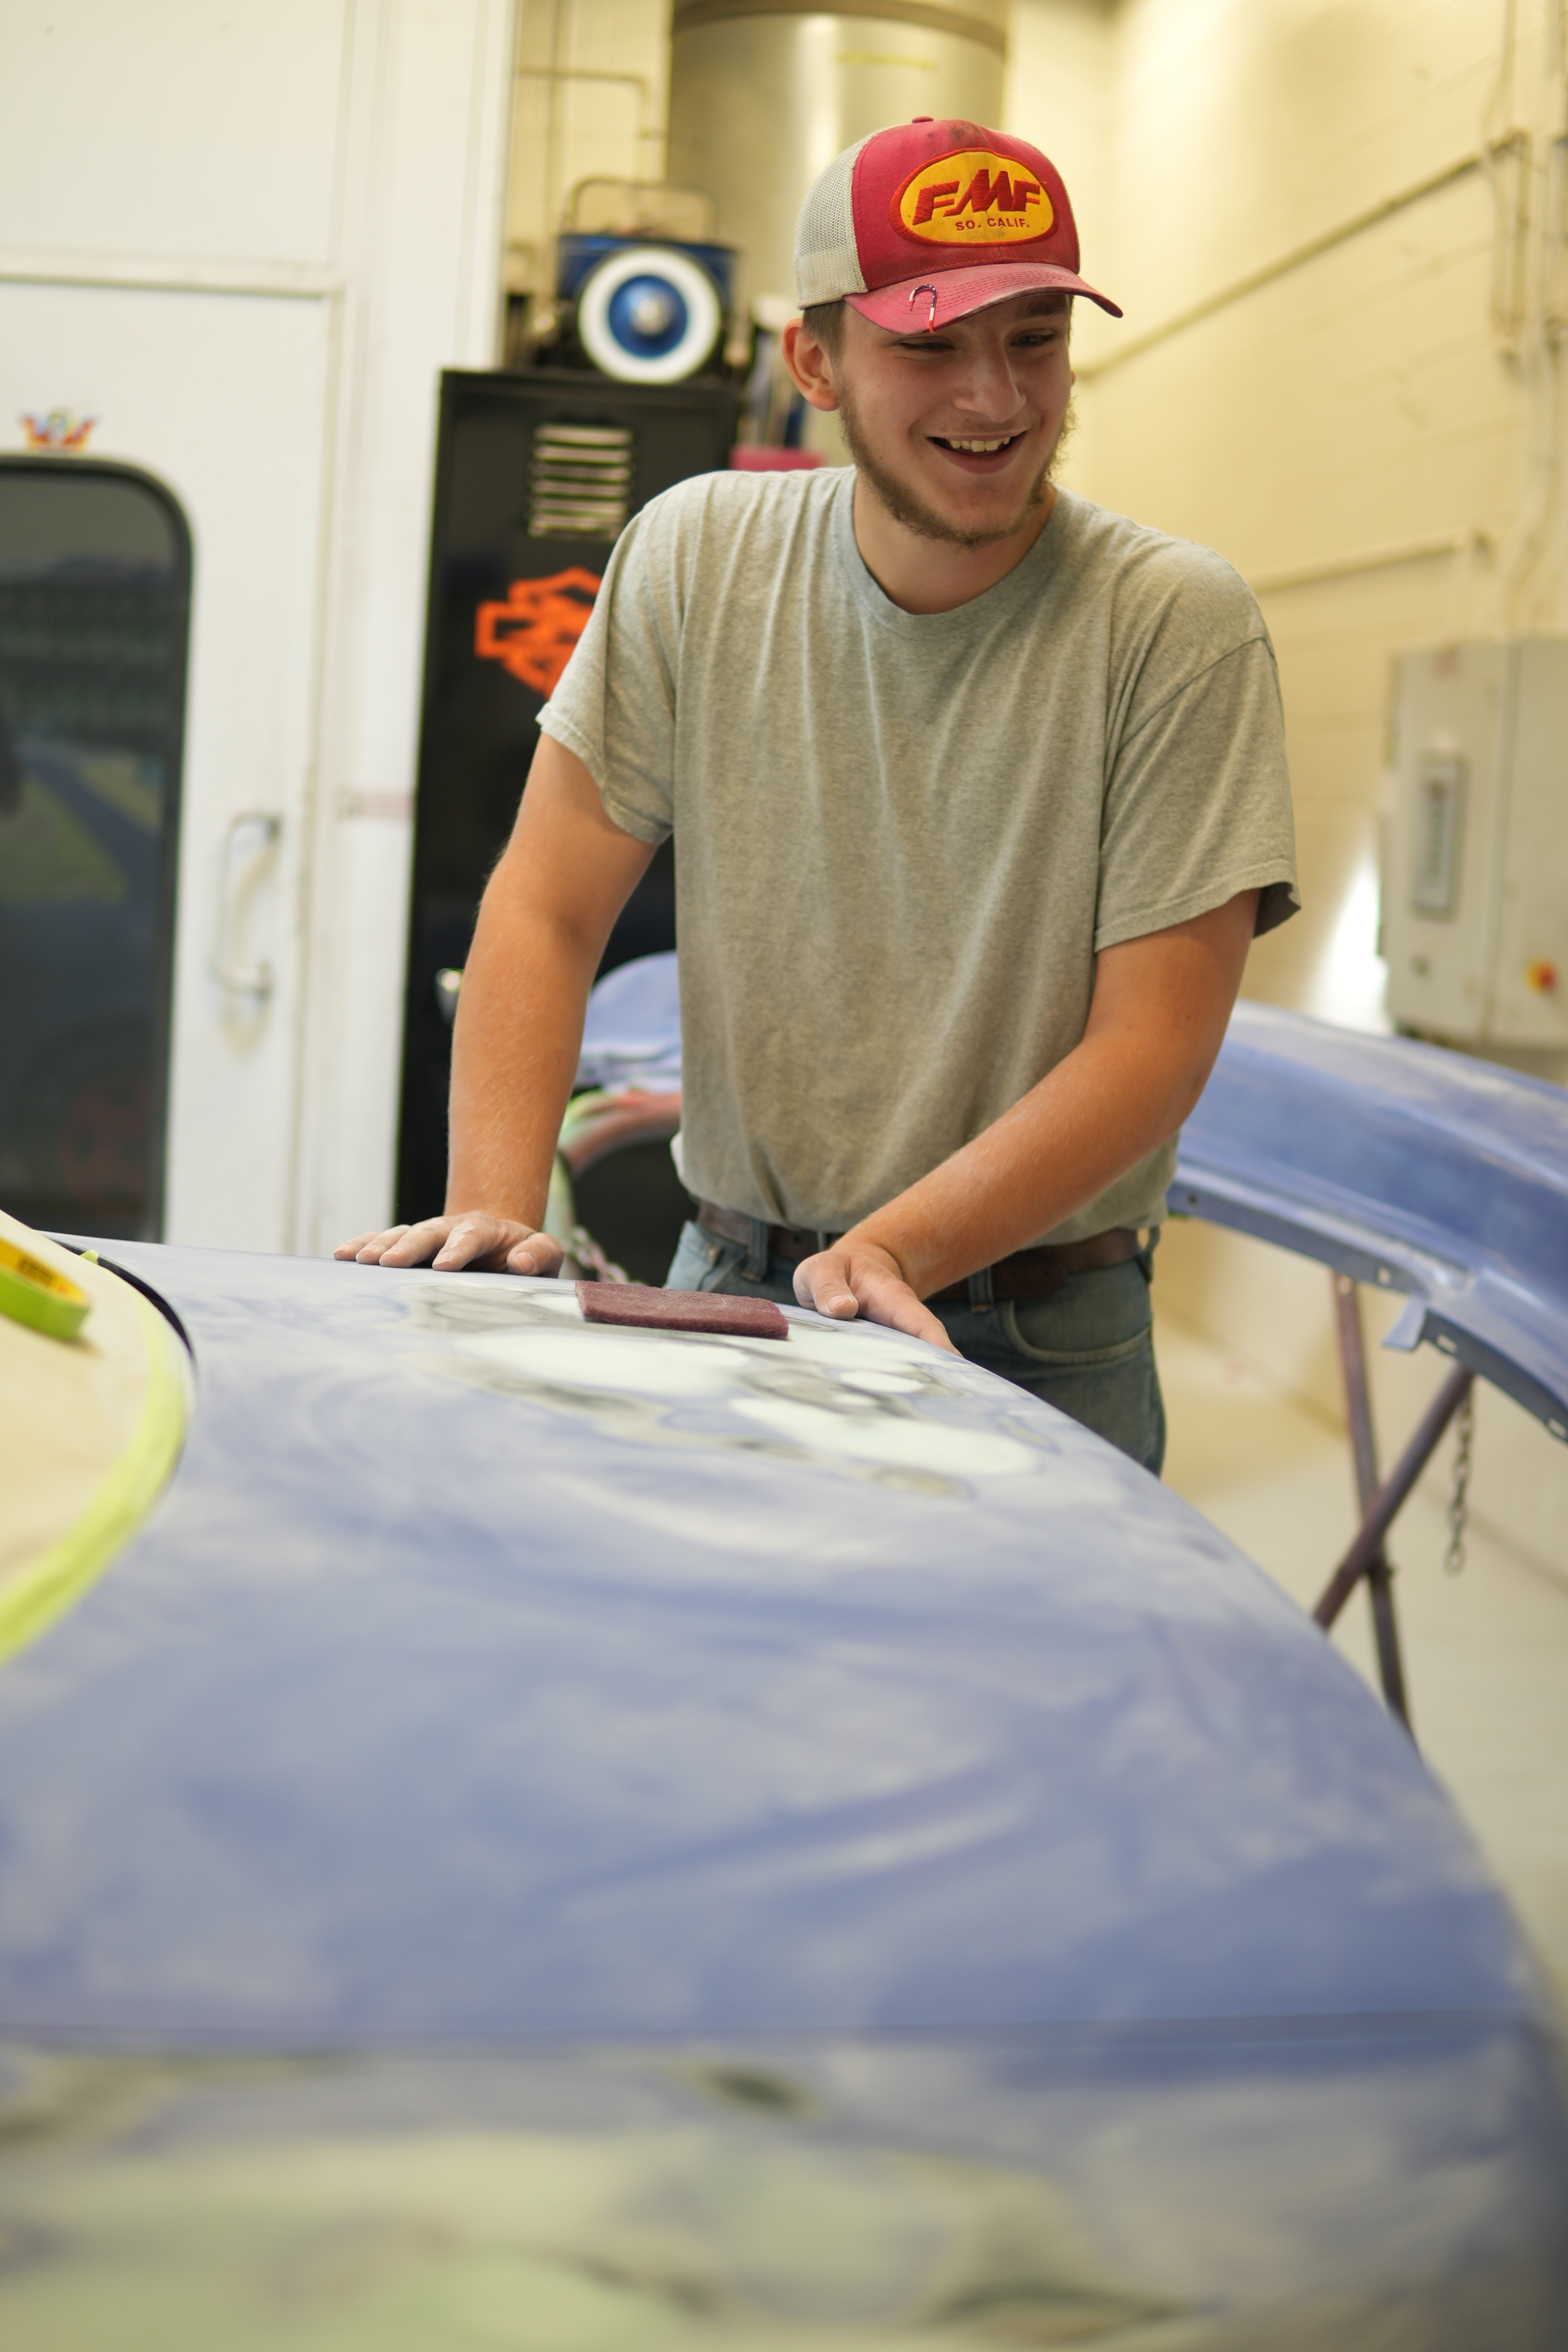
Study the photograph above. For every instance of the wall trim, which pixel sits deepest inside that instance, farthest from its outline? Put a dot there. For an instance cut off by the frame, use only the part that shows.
(1482, 160)
(173, 274)
(1374, 559)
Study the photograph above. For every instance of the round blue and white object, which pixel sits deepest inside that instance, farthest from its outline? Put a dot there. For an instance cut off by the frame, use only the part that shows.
(648, 315)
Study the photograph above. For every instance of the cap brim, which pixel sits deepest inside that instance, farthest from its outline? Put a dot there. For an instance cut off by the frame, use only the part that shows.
(948, 294)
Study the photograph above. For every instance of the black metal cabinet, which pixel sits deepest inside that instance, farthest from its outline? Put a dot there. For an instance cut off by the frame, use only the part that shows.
(536, 474)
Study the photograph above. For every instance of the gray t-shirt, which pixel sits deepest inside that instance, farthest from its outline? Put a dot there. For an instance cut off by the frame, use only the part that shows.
(902, 838)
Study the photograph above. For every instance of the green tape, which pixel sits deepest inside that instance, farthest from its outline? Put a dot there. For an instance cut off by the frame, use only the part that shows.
(32, 1292)
(59, 1577)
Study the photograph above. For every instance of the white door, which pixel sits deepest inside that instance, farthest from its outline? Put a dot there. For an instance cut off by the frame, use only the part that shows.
(223, 398)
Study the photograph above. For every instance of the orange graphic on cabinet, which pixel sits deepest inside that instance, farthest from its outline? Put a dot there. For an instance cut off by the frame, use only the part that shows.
(60, 428)
(532, 633)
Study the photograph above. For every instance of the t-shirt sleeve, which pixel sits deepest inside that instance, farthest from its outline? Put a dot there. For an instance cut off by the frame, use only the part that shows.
(1198, 802)
(614, 704)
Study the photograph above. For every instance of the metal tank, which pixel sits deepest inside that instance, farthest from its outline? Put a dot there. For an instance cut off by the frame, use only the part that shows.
(763, 94)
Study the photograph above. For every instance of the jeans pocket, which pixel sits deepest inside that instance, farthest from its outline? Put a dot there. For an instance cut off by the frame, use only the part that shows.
(1112, 1388)
(1101, 1318)
(1114, 1351)
(701, 1261)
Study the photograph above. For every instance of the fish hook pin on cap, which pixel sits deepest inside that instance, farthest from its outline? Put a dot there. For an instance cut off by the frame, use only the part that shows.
(984, 215)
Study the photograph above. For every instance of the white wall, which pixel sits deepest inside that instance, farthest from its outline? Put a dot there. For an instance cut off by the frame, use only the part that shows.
(172, 128)
(249, 239)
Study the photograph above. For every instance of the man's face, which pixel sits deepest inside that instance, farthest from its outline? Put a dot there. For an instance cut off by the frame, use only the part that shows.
(956, 432)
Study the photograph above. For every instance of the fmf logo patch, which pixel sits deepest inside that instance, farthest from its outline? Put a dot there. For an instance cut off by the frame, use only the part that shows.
(974, 197)
(532, 634)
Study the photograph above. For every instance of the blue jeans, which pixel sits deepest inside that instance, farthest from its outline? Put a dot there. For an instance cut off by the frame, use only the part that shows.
(1089, 1349)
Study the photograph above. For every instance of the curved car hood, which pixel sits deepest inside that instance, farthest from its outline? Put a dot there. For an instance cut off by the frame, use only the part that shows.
(484, 1673)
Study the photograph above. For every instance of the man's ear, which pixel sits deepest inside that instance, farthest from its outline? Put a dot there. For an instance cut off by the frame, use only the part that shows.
(809, 365)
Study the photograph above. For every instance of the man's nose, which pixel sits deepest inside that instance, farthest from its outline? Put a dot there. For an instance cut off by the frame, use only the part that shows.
(987, 387)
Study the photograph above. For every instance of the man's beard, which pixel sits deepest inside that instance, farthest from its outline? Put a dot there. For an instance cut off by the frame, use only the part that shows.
(905, 506)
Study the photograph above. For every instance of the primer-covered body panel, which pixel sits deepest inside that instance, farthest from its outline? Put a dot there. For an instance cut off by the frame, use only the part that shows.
(556, 1835)
(486, 1671)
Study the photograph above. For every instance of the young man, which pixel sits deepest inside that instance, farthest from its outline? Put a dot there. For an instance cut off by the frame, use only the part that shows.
(979, 796)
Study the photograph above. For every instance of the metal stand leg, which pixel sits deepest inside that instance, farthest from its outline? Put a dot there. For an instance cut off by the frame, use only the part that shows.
(1363, 1448)
(1383, 1508)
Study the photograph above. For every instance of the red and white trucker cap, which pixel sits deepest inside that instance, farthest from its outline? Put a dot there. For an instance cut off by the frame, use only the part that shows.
(926, 222)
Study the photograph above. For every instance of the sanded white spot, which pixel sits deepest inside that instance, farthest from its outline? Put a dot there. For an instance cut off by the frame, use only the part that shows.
(639, 1363)
(921, 1445)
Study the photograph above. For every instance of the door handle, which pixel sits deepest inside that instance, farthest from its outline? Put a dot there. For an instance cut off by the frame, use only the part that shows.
(257, 984)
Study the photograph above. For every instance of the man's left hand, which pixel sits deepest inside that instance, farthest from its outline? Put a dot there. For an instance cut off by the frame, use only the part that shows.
(858, 1278)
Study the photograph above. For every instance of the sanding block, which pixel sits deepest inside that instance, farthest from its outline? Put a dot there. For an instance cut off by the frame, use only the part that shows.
(681, 1310)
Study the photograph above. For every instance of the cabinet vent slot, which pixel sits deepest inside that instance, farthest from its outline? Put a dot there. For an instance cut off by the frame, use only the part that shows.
(579, 482)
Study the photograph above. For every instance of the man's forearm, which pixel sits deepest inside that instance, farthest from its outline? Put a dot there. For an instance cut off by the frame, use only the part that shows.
(515, 1056)
(1096, 1115)
(564, 875)
(1159, 1009)
(547, 912)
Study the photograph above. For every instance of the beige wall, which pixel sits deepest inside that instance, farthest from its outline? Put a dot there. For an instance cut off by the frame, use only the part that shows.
(1372, 433)
(1358, 404)
(612, 57)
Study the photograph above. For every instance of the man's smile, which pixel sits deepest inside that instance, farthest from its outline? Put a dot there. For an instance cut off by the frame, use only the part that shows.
(977, 454)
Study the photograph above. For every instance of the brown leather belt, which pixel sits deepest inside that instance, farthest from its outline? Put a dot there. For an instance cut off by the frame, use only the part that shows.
(1028, 1274)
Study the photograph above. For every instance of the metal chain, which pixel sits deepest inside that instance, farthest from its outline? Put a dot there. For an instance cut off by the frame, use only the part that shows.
(1458, 1508)
(592, 1258)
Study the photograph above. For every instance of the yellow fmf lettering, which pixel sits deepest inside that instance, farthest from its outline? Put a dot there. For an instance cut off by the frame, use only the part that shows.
(975, 197)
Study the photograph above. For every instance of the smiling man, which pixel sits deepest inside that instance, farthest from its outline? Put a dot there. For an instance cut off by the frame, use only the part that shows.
(979, 798)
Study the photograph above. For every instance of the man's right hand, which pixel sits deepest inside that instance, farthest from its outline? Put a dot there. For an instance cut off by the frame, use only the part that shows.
(476, 1239)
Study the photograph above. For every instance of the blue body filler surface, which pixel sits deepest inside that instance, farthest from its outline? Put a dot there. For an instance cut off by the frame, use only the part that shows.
(1403, 1166)
(563, 1836)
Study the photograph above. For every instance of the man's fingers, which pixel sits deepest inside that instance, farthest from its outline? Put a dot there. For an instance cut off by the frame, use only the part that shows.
(841, 1286)
(372, 1247)
(540, 1254)
(823, 1282)
(414, 1244)
(912, 1315)
(472, 1240)
(498, 1245)
(887, 1298)
(449, 1244)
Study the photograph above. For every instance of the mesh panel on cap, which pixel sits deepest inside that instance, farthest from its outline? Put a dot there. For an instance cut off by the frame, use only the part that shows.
(827, 263)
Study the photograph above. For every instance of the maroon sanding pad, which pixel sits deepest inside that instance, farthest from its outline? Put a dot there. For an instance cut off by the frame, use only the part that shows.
(681, 1310)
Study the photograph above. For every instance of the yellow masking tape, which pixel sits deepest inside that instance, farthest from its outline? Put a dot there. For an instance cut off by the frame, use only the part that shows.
(32, 1292)
(59, 1577)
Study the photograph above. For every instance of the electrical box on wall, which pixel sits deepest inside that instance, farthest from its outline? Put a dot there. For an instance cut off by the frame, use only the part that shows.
(1475, 887)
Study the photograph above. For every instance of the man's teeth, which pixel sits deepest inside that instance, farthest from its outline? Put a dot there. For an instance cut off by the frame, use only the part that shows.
(981, 448)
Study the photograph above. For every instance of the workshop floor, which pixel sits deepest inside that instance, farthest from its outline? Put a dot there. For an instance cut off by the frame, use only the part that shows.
(1486, 1652)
